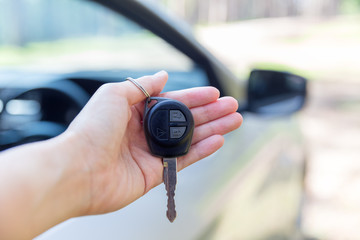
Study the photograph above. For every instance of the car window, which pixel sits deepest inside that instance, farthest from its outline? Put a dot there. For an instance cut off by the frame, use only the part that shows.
(76, 35)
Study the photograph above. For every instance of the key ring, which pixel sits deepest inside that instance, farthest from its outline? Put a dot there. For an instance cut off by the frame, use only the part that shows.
(139, 86)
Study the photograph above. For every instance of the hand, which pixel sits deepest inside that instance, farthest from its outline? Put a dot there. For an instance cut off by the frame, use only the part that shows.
(101, 163)
(116, 157)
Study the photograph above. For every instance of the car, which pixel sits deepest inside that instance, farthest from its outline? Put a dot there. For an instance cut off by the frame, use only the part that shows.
(252, 188)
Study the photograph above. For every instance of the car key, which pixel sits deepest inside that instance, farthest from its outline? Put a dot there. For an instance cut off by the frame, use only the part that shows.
(169, 127)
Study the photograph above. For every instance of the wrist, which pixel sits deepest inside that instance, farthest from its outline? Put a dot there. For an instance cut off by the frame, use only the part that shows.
(75, 175)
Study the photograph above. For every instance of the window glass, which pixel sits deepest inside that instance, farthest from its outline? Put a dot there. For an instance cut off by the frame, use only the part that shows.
(71, 36)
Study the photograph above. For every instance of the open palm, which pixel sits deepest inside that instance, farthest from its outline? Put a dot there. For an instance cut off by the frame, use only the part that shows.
(121, 168)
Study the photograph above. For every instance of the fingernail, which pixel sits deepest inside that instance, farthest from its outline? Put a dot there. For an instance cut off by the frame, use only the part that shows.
(160, 73)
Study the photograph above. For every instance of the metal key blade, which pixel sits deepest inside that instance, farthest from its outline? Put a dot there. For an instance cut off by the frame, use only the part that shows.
(170, 171)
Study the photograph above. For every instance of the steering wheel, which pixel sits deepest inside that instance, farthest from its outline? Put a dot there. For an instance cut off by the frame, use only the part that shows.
(60, 101)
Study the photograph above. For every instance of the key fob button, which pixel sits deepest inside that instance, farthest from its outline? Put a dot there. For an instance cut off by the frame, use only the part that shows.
(177, 132)
(161, 134)
(177, 116)
(160, 125)
(168, 127)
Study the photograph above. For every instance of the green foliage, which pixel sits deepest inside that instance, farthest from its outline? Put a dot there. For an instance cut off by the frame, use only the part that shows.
(48, 50)
(350, 6)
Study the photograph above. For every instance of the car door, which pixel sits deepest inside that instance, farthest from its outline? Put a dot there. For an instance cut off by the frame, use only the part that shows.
(250, 189)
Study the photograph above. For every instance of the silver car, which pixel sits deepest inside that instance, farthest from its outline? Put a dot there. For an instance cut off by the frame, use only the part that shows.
(252, 188)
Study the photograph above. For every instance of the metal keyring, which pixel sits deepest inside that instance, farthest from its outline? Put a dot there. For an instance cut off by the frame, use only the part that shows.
(139, 86)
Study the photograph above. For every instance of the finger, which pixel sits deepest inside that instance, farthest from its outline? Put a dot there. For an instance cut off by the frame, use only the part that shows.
(194, 97)
(215, 110)
(219, 126)
(201, 150)
(152, 84)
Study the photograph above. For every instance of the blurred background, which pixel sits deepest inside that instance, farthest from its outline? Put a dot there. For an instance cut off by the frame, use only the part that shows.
(316, 39)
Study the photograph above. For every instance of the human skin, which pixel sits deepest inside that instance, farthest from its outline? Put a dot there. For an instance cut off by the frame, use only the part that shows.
(101, 163)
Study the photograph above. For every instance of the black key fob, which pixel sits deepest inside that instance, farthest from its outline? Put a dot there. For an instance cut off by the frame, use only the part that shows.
(168, 126)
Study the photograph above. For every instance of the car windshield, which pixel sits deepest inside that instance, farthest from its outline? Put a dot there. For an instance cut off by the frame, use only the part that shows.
(77, 35)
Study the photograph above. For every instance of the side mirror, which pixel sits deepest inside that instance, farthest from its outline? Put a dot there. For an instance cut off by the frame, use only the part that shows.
(275, 93)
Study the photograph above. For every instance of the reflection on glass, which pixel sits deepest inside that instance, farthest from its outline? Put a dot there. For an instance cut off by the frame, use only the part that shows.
(76, 35)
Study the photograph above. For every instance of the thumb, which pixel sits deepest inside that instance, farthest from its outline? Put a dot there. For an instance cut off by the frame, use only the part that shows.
(152, 84)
